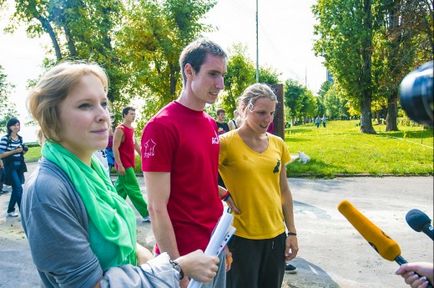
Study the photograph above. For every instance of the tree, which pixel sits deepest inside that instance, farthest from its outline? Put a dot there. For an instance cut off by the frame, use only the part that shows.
(150, 41)
(7, 108)
(78, 29)
(241, 74)
(320, 108)
(299, 101)
(401, 36)
(345, 41)
(335, 106)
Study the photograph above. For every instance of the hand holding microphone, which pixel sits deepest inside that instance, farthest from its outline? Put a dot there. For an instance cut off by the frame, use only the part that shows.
(380, 241)
(411, 271)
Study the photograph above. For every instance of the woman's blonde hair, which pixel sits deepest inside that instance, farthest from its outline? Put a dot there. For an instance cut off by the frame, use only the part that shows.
(53, 87)
(251, 94)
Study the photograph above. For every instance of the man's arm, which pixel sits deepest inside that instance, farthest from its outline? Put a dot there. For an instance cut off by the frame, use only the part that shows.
(137, 146)
(291, 248)
(117, 140)
(158, 188)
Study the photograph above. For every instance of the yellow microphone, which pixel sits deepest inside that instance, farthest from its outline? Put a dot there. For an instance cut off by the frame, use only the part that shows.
(380, 241)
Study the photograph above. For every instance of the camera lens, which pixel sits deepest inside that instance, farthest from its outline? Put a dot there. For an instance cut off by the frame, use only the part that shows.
(416, 94)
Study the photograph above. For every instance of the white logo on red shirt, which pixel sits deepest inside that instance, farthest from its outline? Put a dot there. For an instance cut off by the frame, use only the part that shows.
(149, 148)
(215, 140)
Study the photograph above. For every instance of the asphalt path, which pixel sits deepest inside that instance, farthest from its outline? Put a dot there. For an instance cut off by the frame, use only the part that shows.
(332, 253)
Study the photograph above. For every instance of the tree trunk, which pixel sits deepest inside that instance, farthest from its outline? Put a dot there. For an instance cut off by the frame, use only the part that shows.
(366, 120)
(392, 113)
(173, 81)
(366, 78)
(47, 27)
(70, 41)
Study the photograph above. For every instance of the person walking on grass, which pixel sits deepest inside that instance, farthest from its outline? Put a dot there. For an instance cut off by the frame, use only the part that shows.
(124, 146)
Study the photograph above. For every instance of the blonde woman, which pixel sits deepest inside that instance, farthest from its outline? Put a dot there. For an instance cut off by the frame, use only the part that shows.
(81, 232)
(252, 165)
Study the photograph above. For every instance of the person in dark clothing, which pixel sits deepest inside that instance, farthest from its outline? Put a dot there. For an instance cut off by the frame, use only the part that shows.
(222, 126)
(12, 152)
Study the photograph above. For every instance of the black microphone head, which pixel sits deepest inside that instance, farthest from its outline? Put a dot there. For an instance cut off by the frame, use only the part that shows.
(417, 219)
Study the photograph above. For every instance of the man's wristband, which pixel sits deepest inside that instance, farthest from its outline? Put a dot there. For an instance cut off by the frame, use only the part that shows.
(176, 266)
(292, 234)
(226, 196)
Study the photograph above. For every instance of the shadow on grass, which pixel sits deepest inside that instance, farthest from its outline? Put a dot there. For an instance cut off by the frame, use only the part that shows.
(308, 275)
(297, 130)
(409, 134)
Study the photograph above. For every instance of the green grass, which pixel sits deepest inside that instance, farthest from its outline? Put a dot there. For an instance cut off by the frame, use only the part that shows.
(33, 154)
(340, 149)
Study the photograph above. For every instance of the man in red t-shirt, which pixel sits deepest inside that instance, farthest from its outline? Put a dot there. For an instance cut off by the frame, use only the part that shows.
(180, 147)
(124, 145)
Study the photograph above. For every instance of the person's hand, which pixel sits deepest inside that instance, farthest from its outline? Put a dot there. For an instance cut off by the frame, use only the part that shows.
(229, 259)
(232, 205)
(143, 254)
(410, 271)
(198, 266)
(184, 282)
(291, 247)
(18, 150)
(121, 170)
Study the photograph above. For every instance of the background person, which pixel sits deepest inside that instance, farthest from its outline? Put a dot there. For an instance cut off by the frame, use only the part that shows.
(109, 151)
(12, 150)
(180, 149)
(235, 122)
(222, 126)
(252, 165)
(124, 146)
(81, 232)
(1, 177)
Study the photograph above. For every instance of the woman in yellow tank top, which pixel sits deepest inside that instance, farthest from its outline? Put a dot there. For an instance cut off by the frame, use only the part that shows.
(252, 164)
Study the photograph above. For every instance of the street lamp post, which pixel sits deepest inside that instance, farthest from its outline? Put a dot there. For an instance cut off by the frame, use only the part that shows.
(257, 44)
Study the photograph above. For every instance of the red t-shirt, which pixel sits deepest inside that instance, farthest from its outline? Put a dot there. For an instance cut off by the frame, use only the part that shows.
(126, 149)
(185, 143)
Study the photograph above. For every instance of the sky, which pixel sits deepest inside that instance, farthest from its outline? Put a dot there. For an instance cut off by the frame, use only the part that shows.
(285, 44)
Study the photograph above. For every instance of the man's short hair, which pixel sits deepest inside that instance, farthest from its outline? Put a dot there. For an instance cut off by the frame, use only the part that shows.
(219, 111)
(126, 110)
(195, 54)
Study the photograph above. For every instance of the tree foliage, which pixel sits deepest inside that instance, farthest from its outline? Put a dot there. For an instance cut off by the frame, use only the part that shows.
(401, 42)
(241, 74)
(78, 29)
(300, 102)
(7, 108)
(345, 33)
(150, 41)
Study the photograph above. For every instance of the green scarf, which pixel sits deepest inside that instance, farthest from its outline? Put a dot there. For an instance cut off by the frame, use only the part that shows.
(112, 227)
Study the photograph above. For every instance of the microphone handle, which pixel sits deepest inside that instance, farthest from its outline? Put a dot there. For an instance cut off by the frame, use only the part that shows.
(429, 231)
(401, 260)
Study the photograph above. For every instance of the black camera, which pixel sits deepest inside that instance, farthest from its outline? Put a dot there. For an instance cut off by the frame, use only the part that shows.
(416, 94)
(25, 148)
